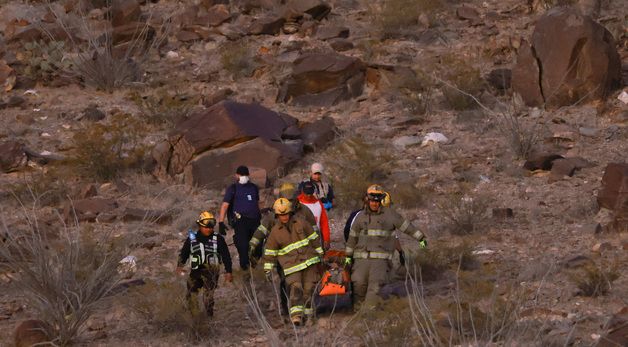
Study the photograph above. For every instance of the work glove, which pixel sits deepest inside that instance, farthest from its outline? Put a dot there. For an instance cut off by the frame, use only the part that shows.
(348, 261)
(269, 276)
(328, 205)
(252, 260)
(222, 228)
(423, 243)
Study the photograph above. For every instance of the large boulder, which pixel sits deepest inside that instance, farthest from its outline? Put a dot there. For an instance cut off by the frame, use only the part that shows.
(88, 209)
(614, 193)
(323, 79)
(318, 134)
(208, 146)
(124, 12)
(571, 57)
(12, 156)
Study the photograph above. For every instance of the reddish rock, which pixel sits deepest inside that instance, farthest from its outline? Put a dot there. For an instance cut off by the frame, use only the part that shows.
(541, 162)
(137, 32)
(132, 214)
(269, 25)
(320, 79)
(88, 191)
(187, 36)
(614, 191)
(124, 12)
(317, 9)
(31, 333)
(7, 76)
(331, 32)
(88, 209)
(341, 45)
(12, 156)
(217, 15)
(318, 134)
(503, 213)
(468, 12)
(577, 56)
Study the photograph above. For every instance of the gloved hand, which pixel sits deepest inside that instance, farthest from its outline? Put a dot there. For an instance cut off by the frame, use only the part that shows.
(348, 261)
(253, 260)
(269, 276)
(423, 243)
(222, 228)
(327, 205)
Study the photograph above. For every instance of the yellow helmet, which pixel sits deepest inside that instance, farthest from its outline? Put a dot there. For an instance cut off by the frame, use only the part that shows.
(282, 206)
(387, 201)
(375, 193)
(206, 219)
(287, 190)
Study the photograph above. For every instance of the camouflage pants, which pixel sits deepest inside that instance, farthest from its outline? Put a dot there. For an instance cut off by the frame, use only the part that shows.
(204, 282)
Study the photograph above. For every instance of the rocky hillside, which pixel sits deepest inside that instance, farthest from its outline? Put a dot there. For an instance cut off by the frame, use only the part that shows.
(499, 127)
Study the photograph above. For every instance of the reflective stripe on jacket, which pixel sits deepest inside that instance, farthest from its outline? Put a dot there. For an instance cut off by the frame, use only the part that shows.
(269, 220)
(372, 233)
(295, 245)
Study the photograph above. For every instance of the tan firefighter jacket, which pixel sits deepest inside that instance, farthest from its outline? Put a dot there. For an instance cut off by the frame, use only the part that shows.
(372, 233)
(269, 220)
(295, 245)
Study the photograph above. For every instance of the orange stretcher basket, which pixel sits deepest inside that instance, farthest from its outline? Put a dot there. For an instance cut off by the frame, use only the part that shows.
(336, 278)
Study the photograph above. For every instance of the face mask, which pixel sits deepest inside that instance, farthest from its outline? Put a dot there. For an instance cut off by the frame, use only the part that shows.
(243, 179)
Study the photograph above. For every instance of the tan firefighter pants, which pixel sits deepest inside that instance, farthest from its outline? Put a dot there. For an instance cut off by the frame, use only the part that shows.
(368, 276)
(301, 287)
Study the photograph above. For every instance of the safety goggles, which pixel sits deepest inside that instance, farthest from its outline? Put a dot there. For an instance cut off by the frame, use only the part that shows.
(208, 223)
(376, 197)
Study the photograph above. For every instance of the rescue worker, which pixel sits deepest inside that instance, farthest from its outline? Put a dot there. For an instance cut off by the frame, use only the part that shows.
(206, 250)
(287, 191)
(309, 200)
(322, 190)
(241, 206)
(371, 245)
(386, 202)
(294, 245)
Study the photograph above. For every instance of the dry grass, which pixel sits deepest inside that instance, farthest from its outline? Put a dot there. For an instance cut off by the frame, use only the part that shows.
(43, 61)
(595, 280)
(464, 214)
(414, 90)
(58, 276)
(355, 164)
(397, 18)
(459, 73)
(162, 107)
(104, 151)
(238, 59)
(521, 135)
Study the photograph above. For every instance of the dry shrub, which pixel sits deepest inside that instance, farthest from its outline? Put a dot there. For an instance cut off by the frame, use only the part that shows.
(464, 214)
(595, 280)
(59, 276)
(49, 187)
(238, 59)
(408, 195)
(431, 263)
(400, 17)
(462, 77)
(163, 305)
(104, 150)
(354, 165)
(43, 61)
(413, 89)
(521, 135)
(161, 107)
(106, 62)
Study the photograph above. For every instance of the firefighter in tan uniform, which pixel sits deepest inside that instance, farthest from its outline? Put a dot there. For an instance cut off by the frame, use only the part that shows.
(371, 244)
(294, 244)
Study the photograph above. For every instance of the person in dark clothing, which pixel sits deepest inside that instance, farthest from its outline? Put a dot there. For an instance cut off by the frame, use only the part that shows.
(322, 190)
(241, 206)
(206, 250)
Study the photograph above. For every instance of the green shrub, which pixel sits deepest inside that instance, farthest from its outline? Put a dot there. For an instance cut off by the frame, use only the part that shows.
(103, 151)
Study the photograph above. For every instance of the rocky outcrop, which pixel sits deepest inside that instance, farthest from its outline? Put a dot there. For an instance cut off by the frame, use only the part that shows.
(614, 194)
(208, 147)
(7, 77)
(323, 79)
(571, 57)
(12, 156)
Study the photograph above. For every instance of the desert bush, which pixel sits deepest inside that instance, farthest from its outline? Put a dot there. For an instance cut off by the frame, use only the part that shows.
(595, 280)
(49, 187)
(102, 62)
(408, 195)
(238, 59)
(398, 17)
(431, 263)
(461, 76)
(164, 108)
(414, 91)
(104, 150)
(464, 214)
(60, 276)
(43, 61)
(164, 306)
(355, 164)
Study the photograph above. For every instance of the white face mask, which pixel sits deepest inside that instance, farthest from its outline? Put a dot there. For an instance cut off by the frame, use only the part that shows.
(243, 179)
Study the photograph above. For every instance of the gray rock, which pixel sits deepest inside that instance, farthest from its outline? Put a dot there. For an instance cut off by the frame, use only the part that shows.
(404, 141)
